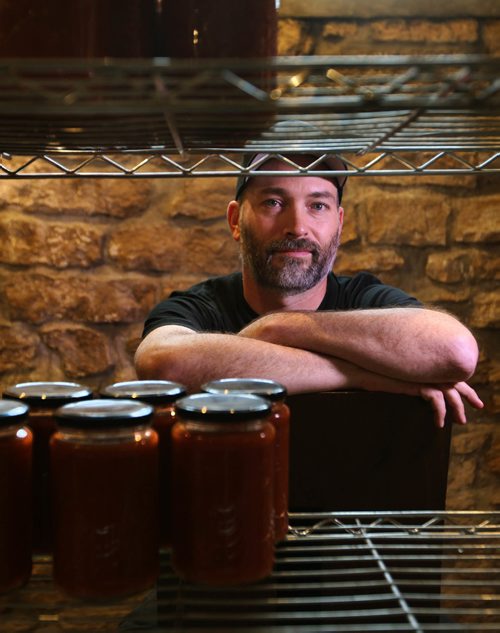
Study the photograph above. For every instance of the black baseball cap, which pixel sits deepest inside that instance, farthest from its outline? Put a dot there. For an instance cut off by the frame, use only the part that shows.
(326, 162)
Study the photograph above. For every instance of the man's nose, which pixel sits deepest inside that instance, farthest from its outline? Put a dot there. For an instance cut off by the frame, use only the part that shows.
(295, 221)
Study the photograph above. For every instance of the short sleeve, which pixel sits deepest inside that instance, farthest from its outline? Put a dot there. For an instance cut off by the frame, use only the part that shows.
(178, 309)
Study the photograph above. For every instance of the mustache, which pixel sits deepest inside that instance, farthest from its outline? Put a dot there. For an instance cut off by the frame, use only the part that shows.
(300, 244)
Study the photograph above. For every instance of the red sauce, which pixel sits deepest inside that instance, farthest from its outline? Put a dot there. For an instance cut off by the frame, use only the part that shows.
(43, 425)
(105, 502)
(78, 28)
(161, 395)
(163, 421)
(222, 522)
(15, 506)
(280, 418)
(229, 29)
(219, 28)
(43, 398)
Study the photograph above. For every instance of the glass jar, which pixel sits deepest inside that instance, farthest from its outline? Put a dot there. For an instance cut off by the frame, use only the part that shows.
(235, 109)
(104, 460)
(218, 28)
(223, 483)
(43, 398)
(280, 417)
(80, 28)
(161, 395)
(15, 495)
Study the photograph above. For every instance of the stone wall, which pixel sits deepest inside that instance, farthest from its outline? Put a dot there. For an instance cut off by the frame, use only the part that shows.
(82, 261)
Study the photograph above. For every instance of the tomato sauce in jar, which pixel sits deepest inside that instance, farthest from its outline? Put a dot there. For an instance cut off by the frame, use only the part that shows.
(161, 395)
(43, 398)
(218, 28)
(79, 28)
(235, 30)
(105, 498)
(280, 418)
(15, 495)
(223, 489)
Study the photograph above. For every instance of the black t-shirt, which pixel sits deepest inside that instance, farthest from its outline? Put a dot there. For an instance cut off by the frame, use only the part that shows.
(218, 304)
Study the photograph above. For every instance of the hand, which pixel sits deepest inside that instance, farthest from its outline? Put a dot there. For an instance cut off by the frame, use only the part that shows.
(450, 397)
(443, 397)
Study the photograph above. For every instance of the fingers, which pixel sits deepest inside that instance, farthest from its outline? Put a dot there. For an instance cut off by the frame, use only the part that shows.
(467, 392)
(455, 405)
(450, 398)
(436, 399)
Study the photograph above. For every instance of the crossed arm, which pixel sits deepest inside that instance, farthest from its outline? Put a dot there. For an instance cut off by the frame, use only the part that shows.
(402, 350)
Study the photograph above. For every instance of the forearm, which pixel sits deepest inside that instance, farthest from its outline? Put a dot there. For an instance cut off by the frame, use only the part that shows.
(193, 359)
(410, 344)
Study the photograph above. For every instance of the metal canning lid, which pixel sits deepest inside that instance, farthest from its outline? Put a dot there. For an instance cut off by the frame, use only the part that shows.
(257, 386)
(218, 407)
(47, 395)
(104, 413)
(150, 391)
(12, 412)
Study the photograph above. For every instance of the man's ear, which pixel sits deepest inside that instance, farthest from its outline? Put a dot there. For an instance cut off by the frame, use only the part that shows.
(233, 218)
(341, 217)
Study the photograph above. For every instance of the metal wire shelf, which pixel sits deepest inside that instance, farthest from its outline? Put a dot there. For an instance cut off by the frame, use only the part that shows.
(383, 571)
(385, 115)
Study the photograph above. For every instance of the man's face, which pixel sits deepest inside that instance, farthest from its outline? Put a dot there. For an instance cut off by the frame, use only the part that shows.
(289, 230)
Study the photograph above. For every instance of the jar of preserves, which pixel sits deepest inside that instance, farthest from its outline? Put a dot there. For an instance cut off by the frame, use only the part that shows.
(80, 28)
(218, 28)
(223, 488)
(235, 107)
(161, 395)
(280, 417)
(104, 459)
(43, 398)
(15, 495)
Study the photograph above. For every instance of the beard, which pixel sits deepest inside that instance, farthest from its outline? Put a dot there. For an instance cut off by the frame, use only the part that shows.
(289, 275)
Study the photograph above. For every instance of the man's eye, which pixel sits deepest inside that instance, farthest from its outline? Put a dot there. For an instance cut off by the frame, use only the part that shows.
(319, 206)
(272, 202)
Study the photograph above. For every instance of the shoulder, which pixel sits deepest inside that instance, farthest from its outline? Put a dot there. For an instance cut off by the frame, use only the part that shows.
(365, 290)
(212, 305)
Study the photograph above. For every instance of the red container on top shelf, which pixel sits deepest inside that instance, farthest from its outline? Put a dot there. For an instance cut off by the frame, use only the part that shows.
(218, 28)
(78, 28)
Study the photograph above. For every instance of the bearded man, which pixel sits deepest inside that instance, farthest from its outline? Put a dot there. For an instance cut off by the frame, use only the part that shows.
(287, 317)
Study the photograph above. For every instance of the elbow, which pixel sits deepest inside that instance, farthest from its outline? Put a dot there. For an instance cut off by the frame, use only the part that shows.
(463, 356)
(158, 364)
(147, 364)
